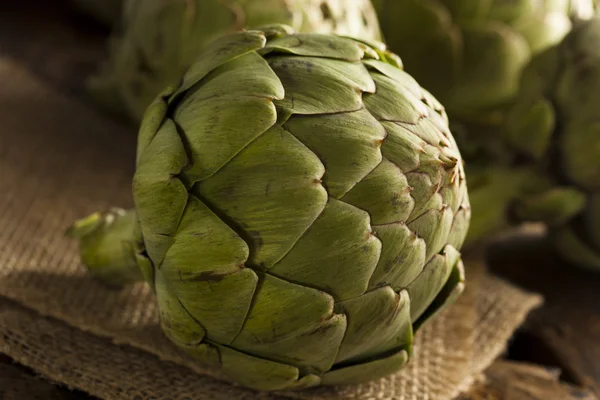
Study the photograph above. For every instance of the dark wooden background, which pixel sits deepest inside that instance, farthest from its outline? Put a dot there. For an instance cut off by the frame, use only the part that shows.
(556, 354)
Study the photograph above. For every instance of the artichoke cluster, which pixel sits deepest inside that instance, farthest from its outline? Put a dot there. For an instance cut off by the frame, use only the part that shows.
(556, 125)
(300, 206)
(157, 40)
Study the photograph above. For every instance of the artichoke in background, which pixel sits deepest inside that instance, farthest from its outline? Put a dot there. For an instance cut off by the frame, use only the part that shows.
(159, 39)
(470, 54)
(300, 206)
(556, 124)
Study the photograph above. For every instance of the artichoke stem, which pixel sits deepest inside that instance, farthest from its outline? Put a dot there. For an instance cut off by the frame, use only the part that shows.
(108, 246)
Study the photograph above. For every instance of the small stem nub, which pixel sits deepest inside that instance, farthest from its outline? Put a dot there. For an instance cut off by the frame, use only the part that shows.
(107, 246)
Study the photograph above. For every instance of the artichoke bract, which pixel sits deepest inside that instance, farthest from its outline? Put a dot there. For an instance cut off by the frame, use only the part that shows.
(556, 124)
(158, 39)
(300, 206)
(470, 53)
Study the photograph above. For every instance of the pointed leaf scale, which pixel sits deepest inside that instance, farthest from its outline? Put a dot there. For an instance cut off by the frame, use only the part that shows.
(398, 75)
(393, 202)
(316, 45)
(337, 254)
(460, 227)
(292, 324)
(393, 101)
(321, 85)
(348, 144)
(177, 324)
(449, 293)
(434, 227)
(428, 131)
(256, 372)
(219, 52)
(206, 353)
(378, 322)
(430, 282)
(367, 371)
(205, 270)
(146, 268)
(270, 192)
(141, 256)
(159, 195)
(222, 129)
(246, 75)
(402, 256)
(227, 110)
(153, 120)
(402, 147)
(424, 192)
(453, 192)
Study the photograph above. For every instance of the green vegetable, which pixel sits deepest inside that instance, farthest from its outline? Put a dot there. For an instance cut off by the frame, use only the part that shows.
(556, 124)
(300, 206)
(470, 53)
(159, 39)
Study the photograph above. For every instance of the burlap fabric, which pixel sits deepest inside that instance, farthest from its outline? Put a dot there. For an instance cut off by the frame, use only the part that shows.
(60, 160)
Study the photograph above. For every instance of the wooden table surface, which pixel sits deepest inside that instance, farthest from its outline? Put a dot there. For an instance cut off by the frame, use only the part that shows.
(556, 354)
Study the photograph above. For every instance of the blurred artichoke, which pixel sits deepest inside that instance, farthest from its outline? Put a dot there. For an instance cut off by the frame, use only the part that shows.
(159, 39)
(470, 53)
(300, 204)
(556, 123)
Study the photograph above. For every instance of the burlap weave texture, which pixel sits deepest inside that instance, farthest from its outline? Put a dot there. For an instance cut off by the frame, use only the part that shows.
(59, 161)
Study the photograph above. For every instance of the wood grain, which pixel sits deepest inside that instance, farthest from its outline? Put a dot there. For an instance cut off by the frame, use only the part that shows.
(566, 331)
(509, 380)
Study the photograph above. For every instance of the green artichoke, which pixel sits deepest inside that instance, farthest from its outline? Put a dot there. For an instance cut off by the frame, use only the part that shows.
(556, 124)
(470, 53)
(159, 39)
(300, 206)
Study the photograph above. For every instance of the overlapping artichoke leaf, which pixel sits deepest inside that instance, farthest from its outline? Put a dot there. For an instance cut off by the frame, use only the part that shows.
(556, 125)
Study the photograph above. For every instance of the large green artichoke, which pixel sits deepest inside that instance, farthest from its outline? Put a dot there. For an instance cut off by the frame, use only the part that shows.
(159, 39)
(556, 123)
(300, 206)
(470, 53)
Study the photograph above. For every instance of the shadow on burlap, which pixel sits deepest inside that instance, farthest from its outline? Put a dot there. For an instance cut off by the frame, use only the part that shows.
(59, 161)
